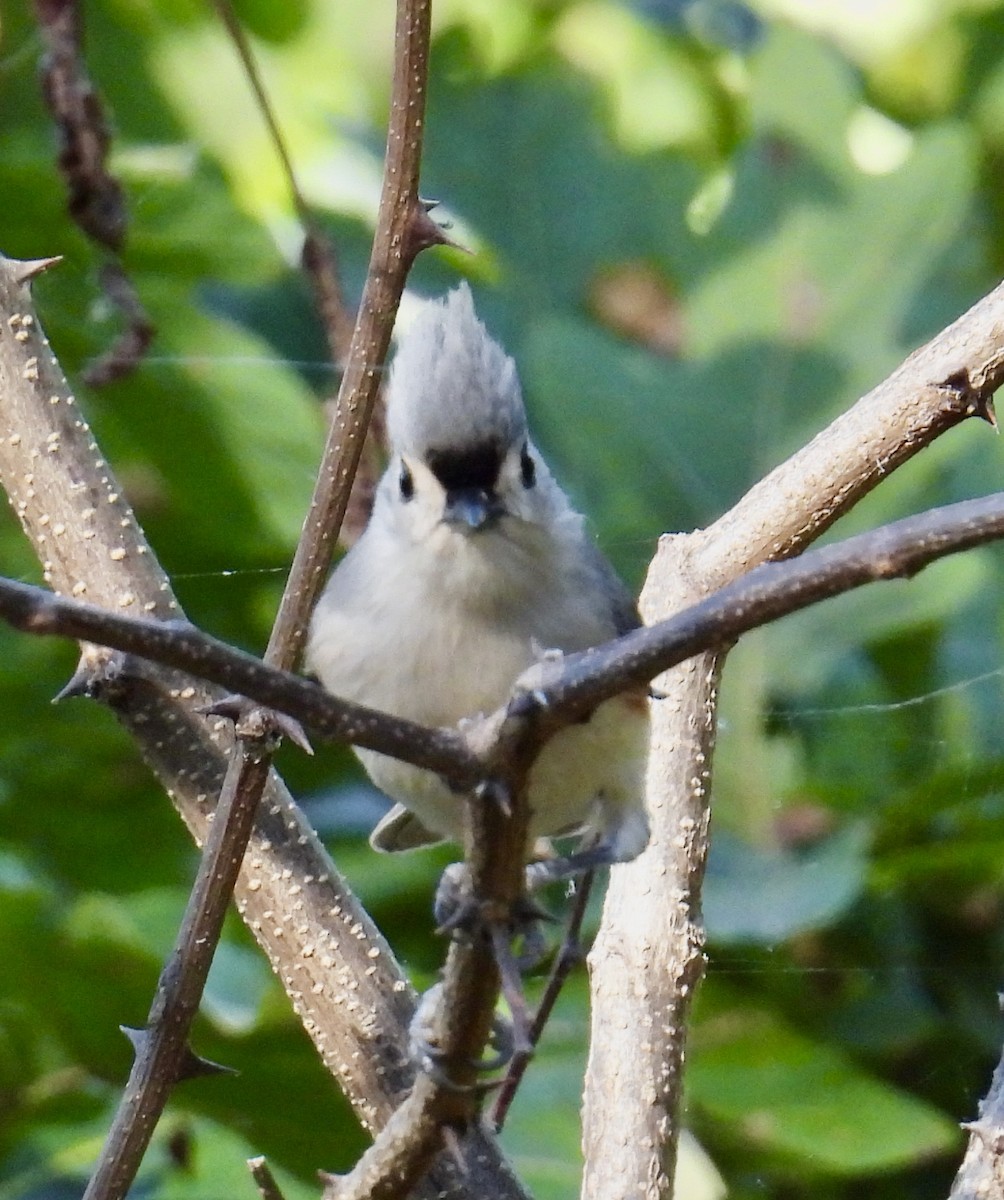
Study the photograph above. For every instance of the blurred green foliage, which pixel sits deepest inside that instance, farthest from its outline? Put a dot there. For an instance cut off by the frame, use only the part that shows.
(703, 228)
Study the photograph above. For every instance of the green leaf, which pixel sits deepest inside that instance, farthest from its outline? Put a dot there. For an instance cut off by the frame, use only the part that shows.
(753, 895)
(806, 1103)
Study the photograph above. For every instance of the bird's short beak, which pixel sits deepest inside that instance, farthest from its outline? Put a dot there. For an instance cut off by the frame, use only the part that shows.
(473, 507)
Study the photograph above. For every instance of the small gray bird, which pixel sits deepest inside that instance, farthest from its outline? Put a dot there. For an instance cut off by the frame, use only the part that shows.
(472, 567)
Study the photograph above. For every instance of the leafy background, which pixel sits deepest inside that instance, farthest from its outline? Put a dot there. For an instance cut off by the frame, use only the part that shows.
(703, 228)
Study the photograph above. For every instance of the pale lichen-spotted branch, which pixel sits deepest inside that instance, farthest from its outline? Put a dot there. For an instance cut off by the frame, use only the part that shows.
(648, 958)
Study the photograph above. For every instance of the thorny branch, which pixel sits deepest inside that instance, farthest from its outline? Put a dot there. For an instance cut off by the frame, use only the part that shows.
(163, 1044)
(563, 689)
(648, 960)
(939, 397)
(96, 201)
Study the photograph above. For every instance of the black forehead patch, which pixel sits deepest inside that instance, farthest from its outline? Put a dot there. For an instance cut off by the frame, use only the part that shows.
(469, 467)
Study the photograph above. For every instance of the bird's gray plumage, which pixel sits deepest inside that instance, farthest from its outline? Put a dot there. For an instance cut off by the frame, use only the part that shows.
(446, 367)
(472, 566)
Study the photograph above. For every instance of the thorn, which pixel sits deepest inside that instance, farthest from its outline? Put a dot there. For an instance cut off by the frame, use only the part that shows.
(80, 683)
(493, 791)
(332, 1185)
(191, 1065)
(655, 694)
(232, 707)
(428, 204)
(524, 703)
(137, 1037)
(252, 720)
(291, 728)
(29, 269)
(424, 232)
(979, 402)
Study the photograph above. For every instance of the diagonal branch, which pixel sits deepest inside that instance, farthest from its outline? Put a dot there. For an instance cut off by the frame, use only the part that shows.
(95, 198)
(404, 229)
(338, 971)
(163, 1045)
(318, 256)
(647, 962)
(563, 689)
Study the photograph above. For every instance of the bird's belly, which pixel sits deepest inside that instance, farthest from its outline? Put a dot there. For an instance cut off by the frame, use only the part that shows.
(585, 768)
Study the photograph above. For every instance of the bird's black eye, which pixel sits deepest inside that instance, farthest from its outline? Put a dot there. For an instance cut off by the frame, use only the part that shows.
(407, 484)
(528, 470)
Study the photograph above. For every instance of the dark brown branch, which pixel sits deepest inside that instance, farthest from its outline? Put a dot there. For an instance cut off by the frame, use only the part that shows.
(768, 592)
(394, 250)
(182, 646)
(268, 1189)
(163, 1045)
(95, 198)
(183, 979)
(95, 201)
(565, 688)
(568, 956)
(459, 1026)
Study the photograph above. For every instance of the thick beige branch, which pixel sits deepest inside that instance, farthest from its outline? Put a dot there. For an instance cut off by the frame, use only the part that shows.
(981, 1176)
(341, 977)
(648, 957)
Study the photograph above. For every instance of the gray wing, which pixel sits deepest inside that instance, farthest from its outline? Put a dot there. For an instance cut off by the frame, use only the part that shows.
(623, 607)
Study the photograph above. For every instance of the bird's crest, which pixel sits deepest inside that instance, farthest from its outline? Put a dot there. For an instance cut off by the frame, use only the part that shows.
(453, 390)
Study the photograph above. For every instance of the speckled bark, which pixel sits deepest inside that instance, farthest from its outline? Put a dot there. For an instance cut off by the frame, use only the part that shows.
(648, 958)
(341, 977)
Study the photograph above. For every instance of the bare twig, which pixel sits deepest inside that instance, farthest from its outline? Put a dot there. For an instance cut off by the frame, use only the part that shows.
(648, 960)
(461, 1020)
(403, 230)
(184, 647)
(96, 201)
(318, 254)
(162, 1046)
(568, 956)
(268, 1189)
